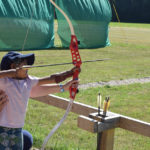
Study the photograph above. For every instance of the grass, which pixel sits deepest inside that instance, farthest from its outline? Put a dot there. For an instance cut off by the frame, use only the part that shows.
(137, 25)
(129, 55)
(131, 100)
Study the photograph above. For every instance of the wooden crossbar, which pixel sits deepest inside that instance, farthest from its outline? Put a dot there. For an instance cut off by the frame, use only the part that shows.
(125, 122)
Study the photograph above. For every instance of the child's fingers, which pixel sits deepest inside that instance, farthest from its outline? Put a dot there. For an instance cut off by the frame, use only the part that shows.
(3, 97)
(1, 91)
(3, 101)
(75, 83)
(76, 69)
(2, 94)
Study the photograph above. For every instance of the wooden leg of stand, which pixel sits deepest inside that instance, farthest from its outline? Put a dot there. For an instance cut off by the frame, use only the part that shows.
(99, 137)
(106, 141)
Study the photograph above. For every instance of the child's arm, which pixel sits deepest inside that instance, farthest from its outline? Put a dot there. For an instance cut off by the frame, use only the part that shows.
(43, 90)
(57, 78)
(8, 73)
(18, 73)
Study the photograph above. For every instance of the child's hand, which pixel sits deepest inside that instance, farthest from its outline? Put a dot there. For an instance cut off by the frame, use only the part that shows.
(3, 100)
(18, 73)
(75, 69)
(73, 83)
(9, 73)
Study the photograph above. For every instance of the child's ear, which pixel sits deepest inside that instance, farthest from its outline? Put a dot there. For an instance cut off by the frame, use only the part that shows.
(13, 66)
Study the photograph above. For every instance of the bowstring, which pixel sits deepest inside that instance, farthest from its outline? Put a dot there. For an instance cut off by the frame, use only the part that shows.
(27, 32)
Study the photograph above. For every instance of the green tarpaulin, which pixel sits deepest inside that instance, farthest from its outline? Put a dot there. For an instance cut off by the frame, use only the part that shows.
(29, 24)
(90, 19)
(21, 18)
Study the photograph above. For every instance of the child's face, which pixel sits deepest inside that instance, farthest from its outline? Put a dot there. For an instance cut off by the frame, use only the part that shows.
(21, 73)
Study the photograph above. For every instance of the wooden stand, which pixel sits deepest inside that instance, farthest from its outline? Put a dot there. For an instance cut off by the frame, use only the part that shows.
(103, 126)
(89, 121)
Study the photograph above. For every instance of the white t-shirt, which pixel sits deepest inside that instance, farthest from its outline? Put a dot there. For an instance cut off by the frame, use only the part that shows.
(18, 92)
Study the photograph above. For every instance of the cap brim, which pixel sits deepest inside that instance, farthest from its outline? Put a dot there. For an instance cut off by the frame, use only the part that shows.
(29, 57)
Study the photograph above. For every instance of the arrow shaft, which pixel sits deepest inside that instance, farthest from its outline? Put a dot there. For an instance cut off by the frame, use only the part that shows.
(59, 64)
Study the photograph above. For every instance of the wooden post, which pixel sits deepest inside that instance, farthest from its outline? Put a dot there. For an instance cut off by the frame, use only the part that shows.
(107, 140)
(99, 137)
(105, 130)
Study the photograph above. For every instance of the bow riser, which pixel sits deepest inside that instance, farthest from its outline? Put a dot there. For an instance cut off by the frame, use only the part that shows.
(76, 60)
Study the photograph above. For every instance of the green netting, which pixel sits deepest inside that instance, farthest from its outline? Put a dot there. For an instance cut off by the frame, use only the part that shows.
(90, 19)
(17, 17)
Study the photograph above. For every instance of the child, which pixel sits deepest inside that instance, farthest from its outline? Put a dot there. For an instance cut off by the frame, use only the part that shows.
(17, 84)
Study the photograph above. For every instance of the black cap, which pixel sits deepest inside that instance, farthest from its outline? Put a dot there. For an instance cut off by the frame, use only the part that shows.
(12, 57)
